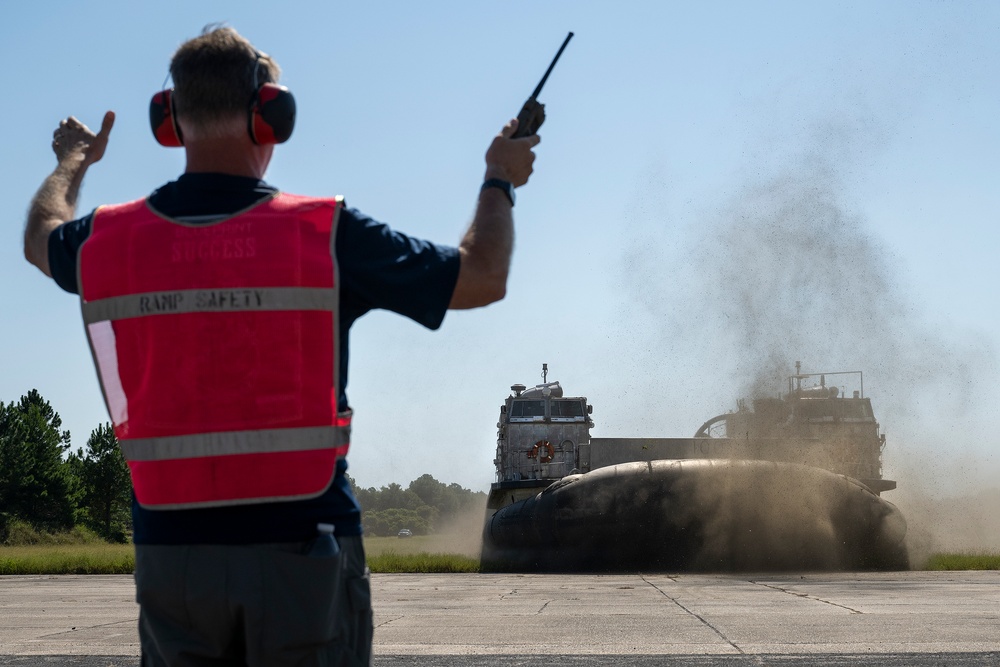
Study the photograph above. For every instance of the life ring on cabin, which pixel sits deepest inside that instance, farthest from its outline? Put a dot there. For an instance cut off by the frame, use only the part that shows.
(544, 446)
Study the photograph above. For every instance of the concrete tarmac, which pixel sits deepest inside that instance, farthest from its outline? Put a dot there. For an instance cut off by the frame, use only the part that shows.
(888, 619)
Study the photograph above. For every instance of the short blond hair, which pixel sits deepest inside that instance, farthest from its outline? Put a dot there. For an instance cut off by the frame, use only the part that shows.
(214, 77)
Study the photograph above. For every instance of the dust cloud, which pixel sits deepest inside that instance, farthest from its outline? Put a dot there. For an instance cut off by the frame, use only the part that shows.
(767, 516)
(461, 534)
(786, 269)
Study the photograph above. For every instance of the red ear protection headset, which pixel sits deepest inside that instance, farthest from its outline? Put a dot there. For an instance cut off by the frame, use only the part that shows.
(163, 121)
(270, 117)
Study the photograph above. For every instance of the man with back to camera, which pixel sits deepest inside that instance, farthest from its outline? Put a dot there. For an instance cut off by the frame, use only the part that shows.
(218, 310)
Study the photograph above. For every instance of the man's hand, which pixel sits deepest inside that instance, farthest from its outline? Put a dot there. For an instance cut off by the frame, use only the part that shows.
(73, 139)
(486, 248)
(76, 148)
(511, 159)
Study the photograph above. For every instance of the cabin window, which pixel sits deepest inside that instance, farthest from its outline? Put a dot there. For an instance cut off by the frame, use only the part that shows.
(527, 409)
(859, 409)
(834, 409)
(567, 409)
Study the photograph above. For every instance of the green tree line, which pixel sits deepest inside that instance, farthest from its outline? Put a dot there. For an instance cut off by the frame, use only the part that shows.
(425, 506)
(49, 489)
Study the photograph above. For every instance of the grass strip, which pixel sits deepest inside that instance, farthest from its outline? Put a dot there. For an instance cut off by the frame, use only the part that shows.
(981, 561)
(68, 559)
(422, 563)
(120, 559)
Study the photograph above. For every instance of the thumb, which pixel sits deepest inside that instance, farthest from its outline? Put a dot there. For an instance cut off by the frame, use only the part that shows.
(509, 129)
(96, 149)
(106, 125)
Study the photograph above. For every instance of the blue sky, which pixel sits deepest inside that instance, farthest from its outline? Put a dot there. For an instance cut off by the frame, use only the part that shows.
(721, 188)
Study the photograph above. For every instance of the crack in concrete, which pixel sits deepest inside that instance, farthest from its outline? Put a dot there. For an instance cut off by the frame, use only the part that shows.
(387, 622)
(543, 607)
(86, 627)
(807, 597)
(704, 622)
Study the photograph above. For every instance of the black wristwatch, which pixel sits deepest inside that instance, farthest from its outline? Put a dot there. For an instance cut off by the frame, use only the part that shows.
(506, 186)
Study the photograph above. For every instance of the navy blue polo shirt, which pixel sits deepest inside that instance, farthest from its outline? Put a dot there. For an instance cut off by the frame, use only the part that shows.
(379, 268)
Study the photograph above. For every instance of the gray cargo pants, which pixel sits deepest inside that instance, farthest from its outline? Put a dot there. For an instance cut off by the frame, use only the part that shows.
(258, 604)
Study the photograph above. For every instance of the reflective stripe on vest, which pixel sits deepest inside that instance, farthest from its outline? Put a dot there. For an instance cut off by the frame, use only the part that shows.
(216, 347)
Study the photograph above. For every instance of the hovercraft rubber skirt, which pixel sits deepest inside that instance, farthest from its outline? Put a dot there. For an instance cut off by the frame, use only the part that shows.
(698, 515)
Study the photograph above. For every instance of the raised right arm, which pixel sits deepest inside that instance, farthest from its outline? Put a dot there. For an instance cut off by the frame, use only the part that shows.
(76, 148)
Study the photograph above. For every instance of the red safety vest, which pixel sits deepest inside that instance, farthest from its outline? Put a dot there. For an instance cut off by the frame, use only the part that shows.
(216, 347)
